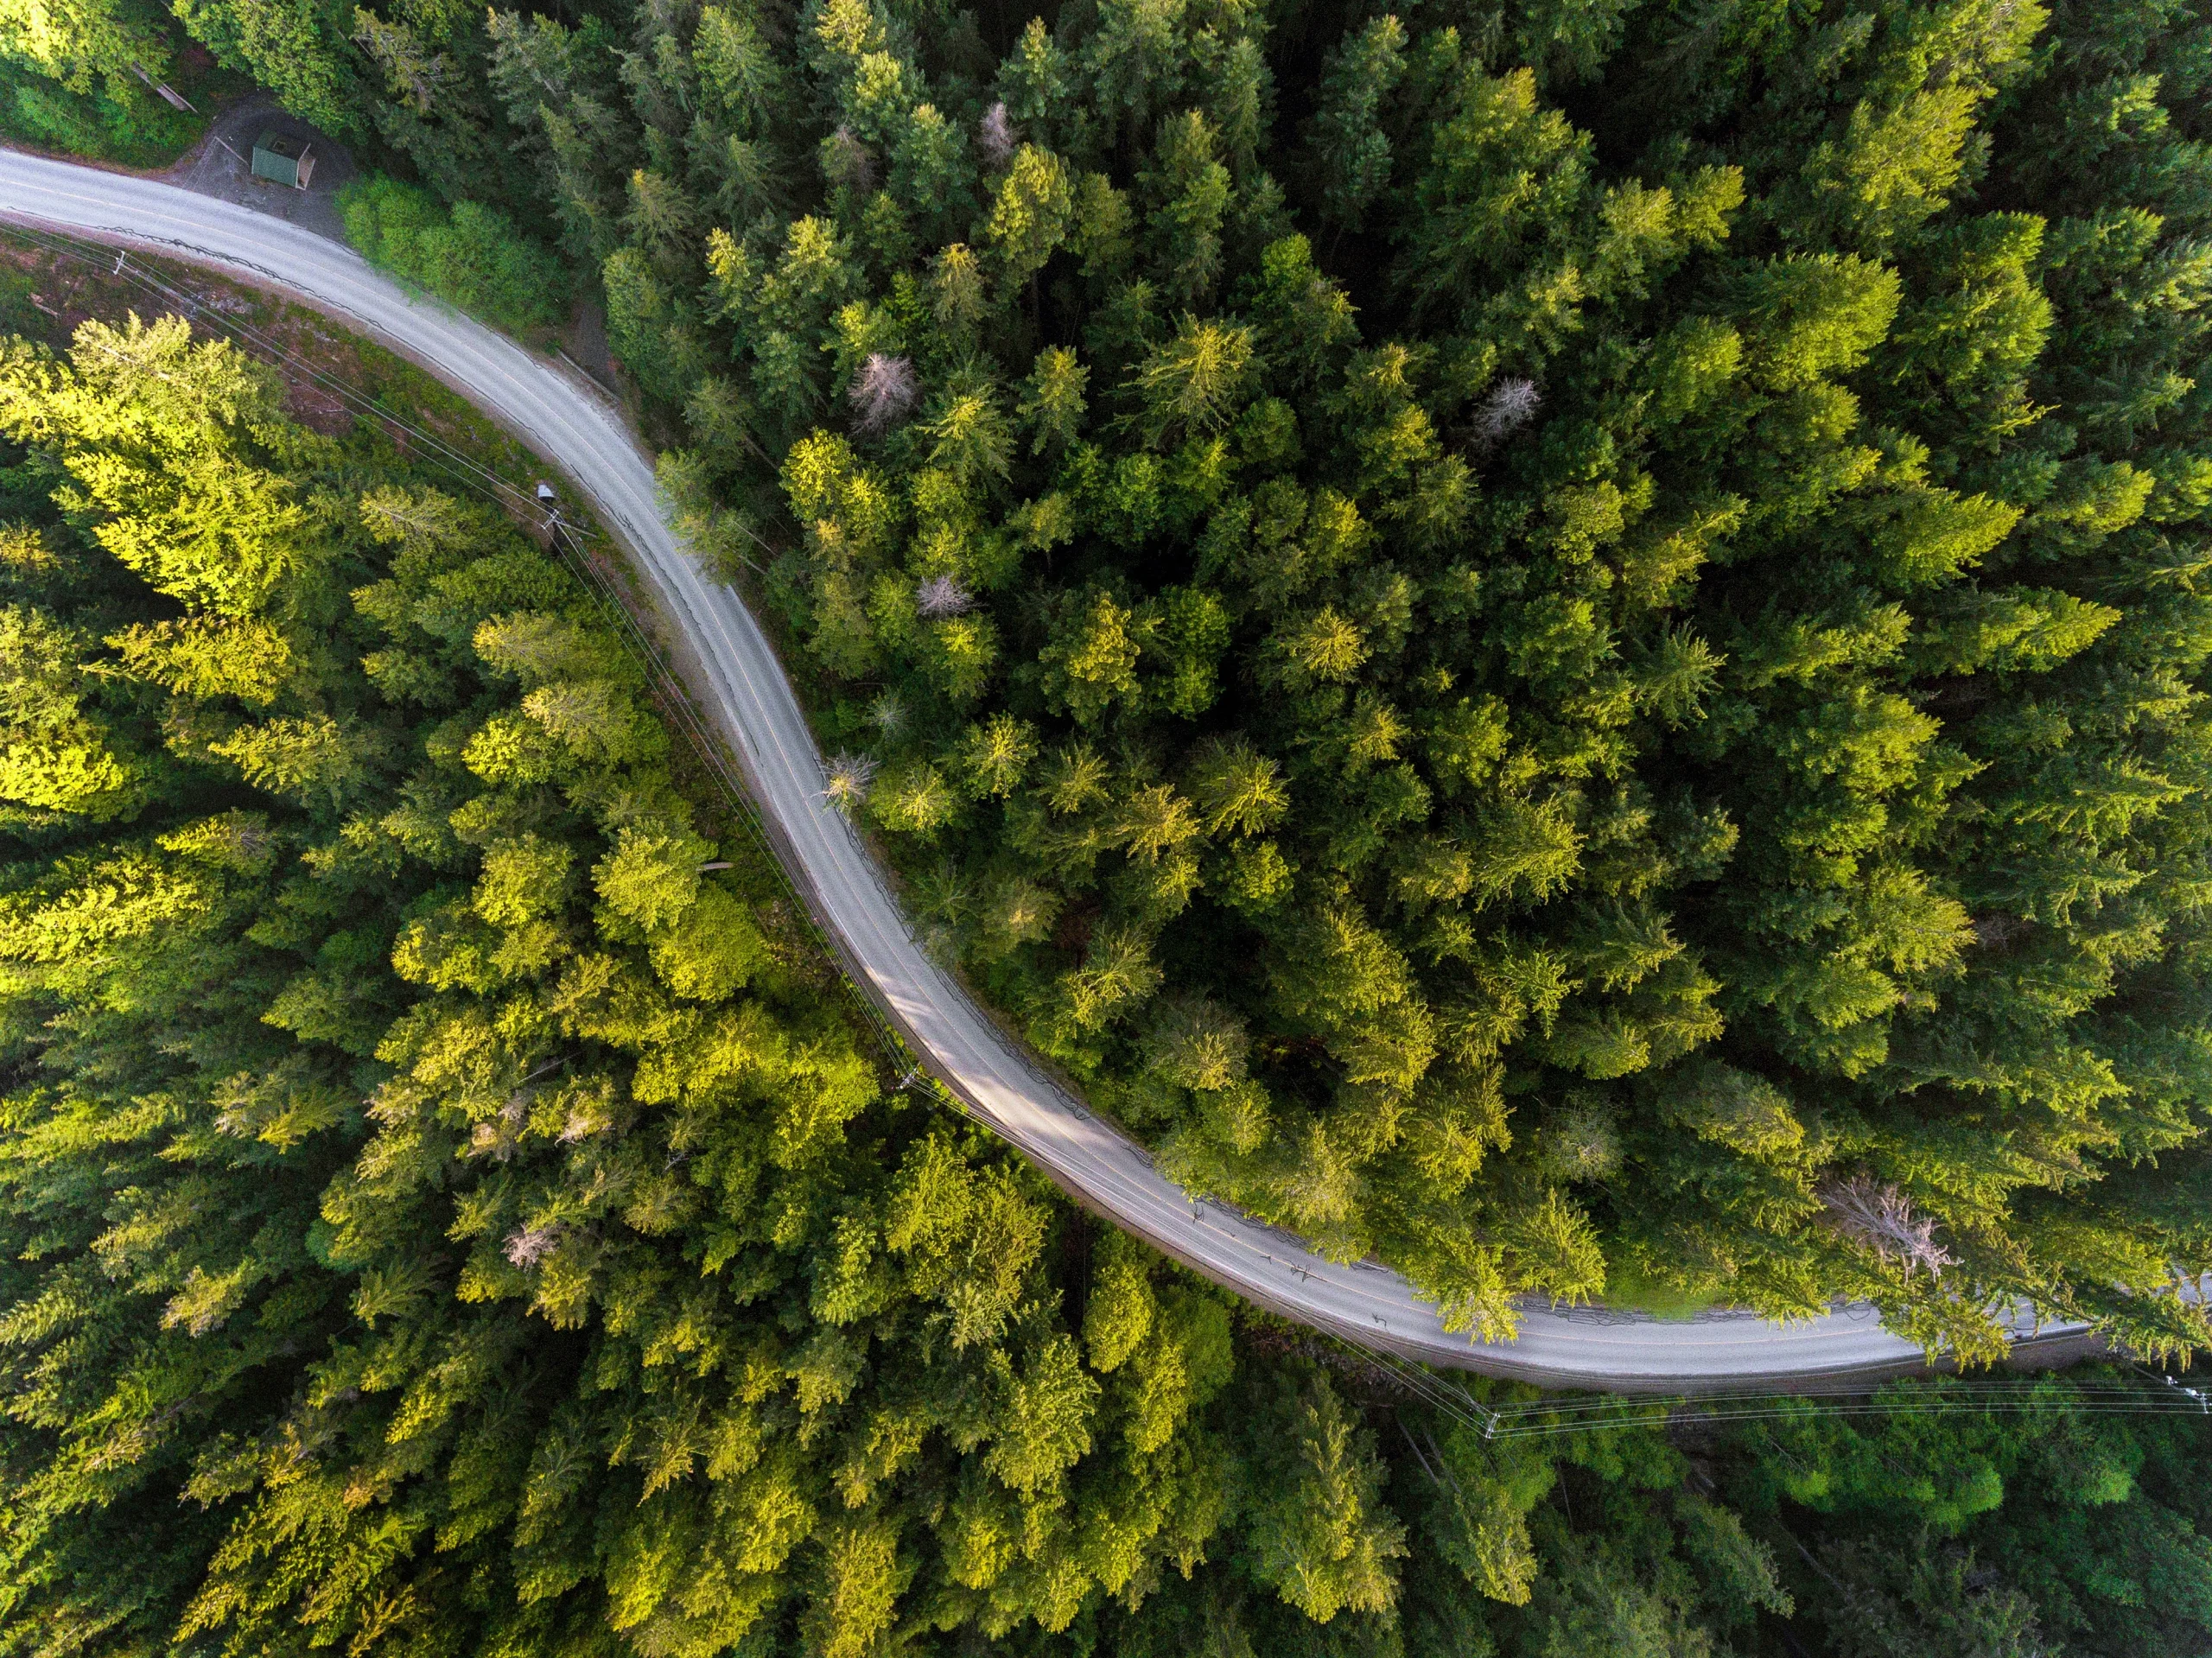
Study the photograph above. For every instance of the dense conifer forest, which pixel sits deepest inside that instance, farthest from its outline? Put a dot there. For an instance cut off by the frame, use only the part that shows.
(1561, 641)
(1556, 684)
(447, 1207)
(1572, 684)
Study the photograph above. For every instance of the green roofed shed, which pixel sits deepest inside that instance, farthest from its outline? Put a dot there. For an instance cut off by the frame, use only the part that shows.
(281, 159)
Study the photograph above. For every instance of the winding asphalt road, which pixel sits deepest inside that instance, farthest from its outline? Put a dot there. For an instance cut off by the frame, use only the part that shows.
(734, 674)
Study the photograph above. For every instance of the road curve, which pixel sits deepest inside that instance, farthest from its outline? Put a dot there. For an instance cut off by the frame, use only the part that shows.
(735, 674)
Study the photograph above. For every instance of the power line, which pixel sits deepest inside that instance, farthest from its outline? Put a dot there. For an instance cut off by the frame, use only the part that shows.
(195, 310)
(1950, 1396)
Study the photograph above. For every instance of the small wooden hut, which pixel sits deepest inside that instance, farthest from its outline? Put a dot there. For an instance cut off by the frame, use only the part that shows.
(283, 159)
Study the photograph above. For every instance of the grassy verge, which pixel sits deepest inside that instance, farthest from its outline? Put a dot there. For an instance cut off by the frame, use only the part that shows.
(1626, 1288)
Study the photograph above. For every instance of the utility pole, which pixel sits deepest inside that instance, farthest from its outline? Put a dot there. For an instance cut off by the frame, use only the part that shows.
(167, 93)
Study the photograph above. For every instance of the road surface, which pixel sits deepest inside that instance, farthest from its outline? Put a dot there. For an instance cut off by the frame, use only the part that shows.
(736, 677)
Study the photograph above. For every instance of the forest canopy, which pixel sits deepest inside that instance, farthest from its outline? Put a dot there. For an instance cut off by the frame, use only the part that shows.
(425, 1157)
(446, 1206)
(1561, 641)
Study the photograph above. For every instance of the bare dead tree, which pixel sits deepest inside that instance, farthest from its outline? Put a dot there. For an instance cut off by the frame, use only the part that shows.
(846, 160)
(1881, 1218)
(942, 596)
(883, 392)
(996, 137)
(528, 1245)
(846, 781)
(1512, 404)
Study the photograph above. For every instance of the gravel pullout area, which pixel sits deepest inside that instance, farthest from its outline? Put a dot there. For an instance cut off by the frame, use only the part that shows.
(219, 167)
